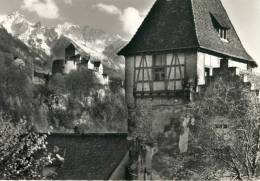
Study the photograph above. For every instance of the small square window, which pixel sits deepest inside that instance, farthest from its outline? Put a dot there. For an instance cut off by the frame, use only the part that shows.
(159, 62)
(218, 126)
(221, 126)
(225, 126)
(159, 74)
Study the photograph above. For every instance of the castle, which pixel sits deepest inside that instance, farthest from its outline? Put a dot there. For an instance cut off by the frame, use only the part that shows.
(180, 45)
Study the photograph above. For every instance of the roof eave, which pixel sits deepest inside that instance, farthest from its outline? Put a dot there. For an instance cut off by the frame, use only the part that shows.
(170, 50)
(226, 55)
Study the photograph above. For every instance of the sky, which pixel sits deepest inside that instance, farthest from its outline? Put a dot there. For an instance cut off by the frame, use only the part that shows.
(123, 17)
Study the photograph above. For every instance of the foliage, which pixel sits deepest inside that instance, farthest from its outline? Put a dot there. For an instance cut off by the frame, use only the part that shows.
(109, 111)
(23, 153)
(16, 92)
(238, 148)
(79, 83)
(142, 116)
(57, 84)
(62, 118)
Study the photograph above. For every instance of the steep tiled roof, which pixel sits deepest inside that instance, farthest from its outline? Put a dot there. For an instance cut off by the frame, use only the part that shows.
(165, 28)
(208, 37)
(89, 157)
(58, 49)
(186, 24)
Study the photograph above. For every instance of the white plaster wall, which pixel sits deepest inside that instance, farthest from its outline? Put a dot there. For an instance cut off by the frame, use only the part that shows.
(158, 85)
(178, 85)
(178, 74)
(90, 65)
(241, 66)
(149, 59)
(146, 87)
(137, 61)
(101, 69)
(70, 66)
(181, 57)
(201, 69)
(211, 61)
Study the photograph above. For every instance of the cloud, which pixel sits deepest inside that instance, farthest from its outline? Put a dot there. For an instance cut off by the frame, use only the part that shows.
(110, 9)
(44, 8)
(68, 2)
(2, 17)
(130, 17)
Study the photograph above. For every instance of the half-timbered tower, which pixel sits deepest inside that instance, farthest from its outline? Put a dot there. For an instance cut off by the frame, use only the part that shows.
(173, 52)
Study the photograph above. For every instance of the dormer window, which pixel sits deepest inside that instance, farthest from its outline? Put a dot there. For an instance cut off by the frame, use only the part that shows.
(222, 33)
(221, 25)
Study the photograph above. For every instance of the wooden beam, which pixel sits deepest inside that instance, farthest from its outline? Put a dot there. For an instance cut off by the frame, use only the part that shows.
(152, 67)
(169, 74)
(148, 75)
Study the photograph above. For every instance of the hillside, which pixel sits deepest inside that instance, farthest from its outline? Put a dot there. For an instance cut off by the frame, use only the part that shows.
(11, 47)
(63, 105)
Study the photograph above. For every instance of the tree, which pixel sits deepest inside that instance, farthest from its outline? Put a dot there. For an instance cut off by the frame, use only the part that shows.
(79, 83)
(57, 84)
(16, 91)
(23, 153)
(109, 111)
(238, 148)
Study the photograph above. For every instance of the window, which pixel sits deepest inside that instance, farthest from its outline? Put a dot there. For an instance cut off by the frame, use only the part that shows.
(159, 74)
(222, 33)
(221, 25)
(218, 126)
(207, 72)
(159, 71)
(225, 126)
(221, 126)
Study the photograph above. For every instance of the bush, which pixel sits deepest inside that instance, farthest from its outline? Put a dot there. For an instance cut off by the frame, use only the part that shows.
(79, 83)
(23, 153)
(110, 112)
(57, 84)
(16, 92)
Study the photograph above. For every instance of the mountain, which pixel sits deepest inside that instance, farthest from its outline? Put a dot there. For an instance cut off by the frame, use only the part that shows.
(41, 39)
(11, 47)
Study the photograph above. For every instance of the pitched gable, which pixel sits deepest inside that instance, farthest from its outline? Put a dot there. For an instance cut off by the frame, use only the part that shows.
(187, 24)
(169, 25)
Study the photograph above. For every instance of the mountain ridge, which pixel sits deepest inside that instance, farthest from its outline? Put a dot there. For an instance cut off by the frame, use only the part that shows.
(41, 39)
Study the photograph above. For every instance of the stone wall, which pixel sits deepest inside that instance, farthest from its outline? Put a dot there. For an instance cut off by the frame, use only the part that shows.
(163, 111)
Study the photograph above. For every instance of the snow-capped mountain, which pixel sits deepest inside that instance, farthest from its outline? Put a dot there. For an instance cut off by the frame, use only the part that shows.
(41, 39)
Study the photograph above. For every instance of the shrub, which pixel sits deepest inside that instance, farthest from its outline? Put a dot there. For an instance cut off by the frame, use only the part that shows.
(23, 153)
